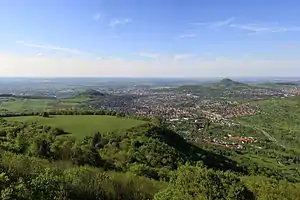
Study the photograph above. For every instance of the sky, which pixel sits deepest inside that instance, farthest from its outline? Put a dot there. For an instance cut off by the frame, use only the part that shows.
(149, 38)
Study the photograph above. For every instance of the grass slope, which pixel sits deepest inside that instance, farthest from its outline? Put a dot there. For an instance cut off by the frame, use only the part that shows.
(280, 119)
(82, 125)
(279, 123)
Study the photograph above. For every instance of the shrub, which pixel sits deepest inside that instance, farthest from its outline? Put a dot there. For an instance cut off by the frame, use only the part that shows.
(205, 184)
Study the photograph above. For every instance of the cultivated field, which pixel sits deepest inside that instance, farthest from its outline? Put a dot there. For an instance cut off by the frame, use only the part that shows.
(82, 125)
(23, 105)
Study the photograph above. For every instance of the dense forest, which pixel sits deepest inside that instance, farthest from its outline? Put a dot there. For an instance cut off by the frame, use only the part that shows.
(146, 162)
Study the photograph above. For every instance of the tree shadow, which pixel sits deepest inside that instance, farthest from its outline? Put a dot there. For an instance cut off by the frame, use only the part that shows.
(192, 152)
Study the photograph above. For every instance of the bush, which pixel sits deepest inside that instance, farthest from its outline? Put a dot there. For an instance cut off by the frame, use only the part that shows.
(267, 188)
(205, 184)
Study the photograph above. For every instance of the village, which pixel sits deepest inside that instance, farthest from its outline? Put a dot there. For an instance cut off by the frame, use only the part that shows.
(187, 108)
(189, 112)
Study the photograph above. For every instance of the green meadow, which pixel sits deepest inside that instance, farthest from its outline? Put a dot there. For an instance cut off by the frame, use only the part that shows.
(82, 125)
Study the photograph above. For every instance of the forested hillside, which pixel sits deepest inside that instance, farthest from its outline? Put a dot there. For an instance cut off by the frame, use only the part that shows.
(149, 161)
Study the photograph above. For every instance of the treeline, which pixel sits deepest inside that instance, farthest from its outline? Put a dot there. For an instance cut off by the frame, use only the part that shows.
(26, 96)
(77, 112)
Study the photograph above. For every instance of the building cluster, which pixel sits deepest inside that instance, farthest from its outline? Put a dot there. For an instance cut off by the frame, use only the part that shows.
(172, 103)
(178, 106)
(239, 111)
(226, 144)
(231, 141)
(186, 111)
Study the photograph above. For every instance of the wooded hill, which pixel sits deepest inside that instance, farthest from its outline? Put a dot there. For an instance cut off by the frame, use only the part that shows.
(146, 162)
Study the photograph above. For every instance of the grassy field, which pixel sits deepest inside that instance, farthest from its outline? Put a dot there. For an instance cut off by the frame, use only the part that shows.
(82, 125)
(22, 105)
(18, 105)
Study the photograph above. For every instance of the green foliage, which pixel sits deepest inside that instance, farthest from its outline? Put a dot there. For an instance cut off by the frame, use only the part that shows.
(277, 153)
(41, 162)
(205, 184)
(45, 114)
(40, 145)
(45, 180)
(266, 188)
(83, 154)
(61, 148)
(279, 118)
(47, 186)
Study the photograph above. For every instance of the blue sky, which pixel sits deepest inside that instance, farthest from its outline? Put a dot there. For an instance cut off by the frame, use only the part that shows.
(149, 37)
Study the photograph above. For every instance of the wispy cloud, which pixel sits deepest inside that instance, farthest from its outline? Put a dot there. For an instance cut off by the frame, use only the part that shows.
(50, 47)
(289, 46)
(216, 24)
(116, 22)
(192, 35)
(251, 28)
(225, 22)
(149, 55)
(260, 28)
(169, 57)
(97, 16)
(183, 56)
(39, 54)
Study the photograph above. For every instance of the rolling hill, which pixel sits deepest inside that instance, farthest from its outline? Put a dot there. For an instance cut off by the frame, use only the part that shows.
(226, 82)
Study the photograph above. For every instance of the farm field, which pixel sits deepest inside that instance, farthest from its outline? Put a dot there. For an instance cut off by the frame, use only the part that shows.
(18, 105)
(23, 105)
(82, 125)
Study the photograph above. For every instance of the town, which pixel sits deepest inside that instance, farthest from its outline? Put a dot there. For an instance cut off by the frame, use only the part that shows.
(187, 108)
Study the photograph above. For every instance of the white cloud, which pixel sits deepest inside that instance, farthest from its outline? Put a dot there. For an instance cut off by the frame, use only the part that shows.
(149, 55)
(16, 65)
(116, 22)
(50, 47)
(40, 54)
(183, 56)
(166, 57)
(192, 35)
(97, 16)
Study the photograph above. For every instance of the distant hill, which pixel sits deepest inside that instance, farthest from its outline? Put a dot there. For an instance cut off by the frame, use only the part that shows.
(92, 93)
(287, 83)
(226, 82)
(215, 89)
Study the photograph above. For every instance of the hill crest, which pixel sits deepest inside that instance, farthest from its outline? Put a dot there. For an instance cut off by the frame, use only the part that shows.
(91, 92)
(229, 83)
